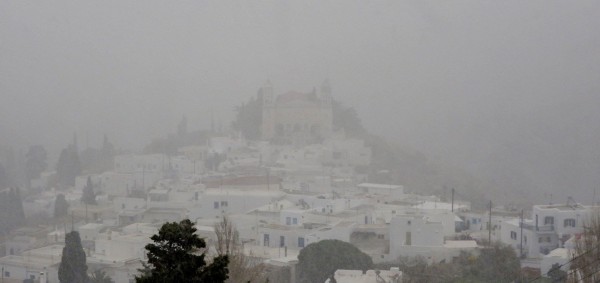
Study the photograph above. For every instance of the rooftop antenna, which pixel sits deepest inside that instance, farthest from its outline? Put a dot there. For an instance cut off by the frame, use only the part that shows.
(452, 199)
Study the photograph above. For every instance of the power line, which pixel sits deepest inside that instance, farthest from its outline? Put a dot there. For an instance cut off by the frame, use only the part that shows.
(558, 267)
(571, 272)
(583, 279)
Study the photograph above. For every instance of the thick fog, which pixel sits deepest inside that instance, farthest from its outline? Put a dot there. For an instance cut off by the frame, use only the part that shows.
(508, 90)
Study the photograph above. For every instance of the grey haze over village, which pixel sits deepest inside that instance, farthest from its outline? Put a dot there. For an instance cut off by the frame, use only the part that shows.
(493, 100)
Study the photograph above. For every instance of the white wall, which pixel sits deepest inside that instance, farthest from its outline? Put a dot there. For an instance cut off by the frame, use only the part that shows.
(421, 232)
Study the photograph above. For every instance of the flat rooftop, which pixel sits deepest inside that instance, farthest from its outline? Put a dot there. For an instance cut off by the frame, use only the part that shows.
(378, 186)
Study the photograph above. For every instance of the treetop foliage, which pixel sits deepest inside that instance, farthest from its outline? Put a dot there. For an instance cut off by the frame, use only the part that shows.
(11, 209)
(88, 196)
(73, 267)
(318, 261)
(61, 206)
(177, 255)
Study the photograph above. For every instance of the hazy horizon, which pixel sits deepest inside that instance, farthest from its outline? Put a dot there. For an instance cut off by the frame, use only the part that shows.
(507, 90)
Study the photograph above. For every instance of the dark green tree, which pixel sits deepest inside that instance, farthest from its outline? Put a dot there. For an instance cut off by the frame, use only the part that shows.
(497, 263)
(3, 177)
(347, 118)
(88, 196)
(318, 261)
(556, 274)
(61, 206)
(18, 211)
(35, 162)
(73, 267)
(68, 166)
(176, 256)
(11, 209)
(99, 276)
(248, 118)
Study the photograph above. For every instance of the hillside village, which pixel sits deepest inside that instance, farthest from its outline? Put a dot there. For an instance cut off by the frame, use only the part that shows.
(297, 181)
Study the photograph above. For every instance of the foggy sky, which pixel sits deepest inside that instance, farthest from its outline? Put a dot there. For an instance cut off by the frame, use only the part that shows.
(493, 86)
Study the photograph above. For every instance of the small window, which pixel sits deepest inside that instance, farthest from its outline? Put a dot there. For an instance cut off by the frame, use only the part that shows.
(513, 235)
(569, 222)
(288, 221)
(266, 240)
(548, 220)
(216, 205)
(295, 221)
(224, 204)
(6, 274)
(301, 242)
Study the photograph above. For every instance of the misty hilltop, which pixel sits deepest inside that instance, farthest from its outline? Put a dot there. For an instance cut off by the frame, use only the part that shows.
(505, 91)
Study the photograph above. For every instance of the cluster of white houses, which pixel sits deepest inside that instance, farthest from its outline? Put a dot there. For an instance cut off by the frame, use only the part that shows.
(281, 197)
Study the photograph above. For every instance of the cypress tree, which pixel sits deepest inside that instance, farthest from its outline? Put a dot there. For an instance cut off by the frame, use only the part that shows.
(88, 196)
(73, 267)
(61, 206)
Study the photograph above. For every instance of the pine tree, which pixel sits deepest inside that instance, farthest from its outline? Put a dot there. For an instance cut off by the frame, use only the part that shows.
(73, 267)
(68, 166)
(173, 258)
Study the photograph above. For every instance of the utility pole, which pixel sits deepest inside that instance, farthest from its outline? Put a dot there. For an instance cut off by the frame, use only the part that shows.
(490, 226)
(268, 180)
(521, 225)
(452, 199)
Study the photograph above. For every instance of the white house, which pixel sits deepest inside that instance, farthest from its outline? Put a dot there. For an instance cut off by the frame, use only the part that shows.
(32, 264)
(394, 275)
(394, 191)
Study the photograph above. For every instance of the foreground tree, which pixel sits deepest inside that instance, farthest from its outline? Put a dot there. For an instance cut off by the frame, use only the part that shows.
(497, 263)
(241, 268)
(584, 266)
(177, 256)
(318, 261)
(73, 267)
